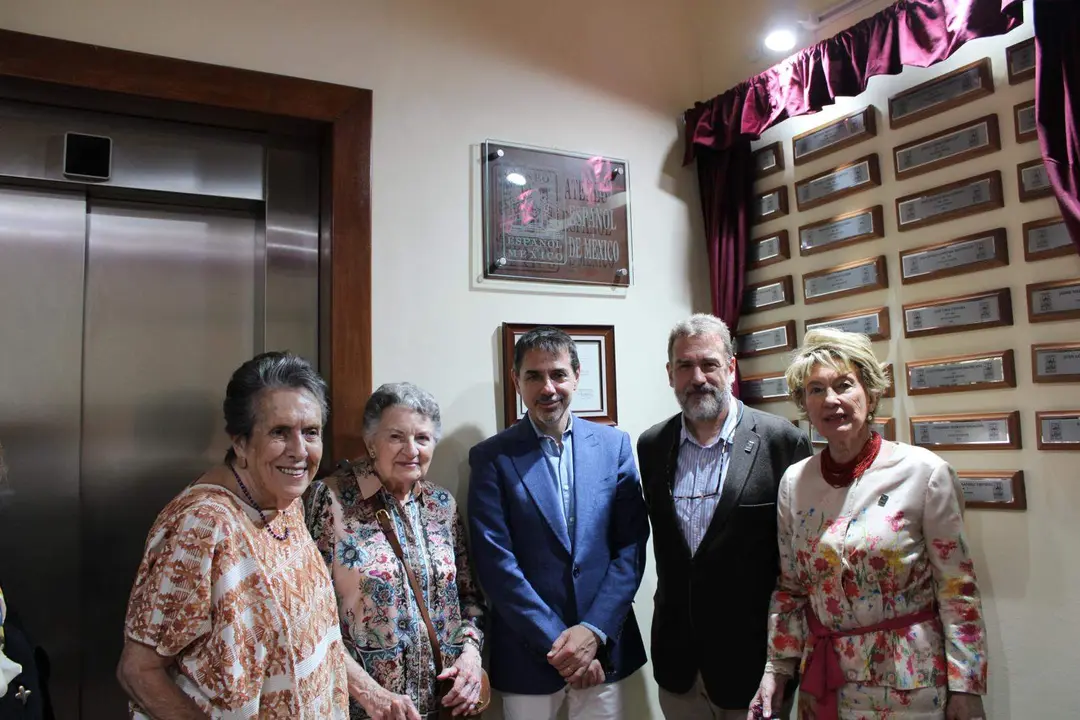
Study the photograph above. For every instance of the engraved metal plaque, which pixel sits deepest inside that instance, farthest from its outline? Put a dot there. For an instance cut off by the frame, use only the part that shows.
(993, 490)
(872, 323)
(837, 135)
(1034, 180)
(1021, 61)
(973, 195)
(967, 372)
(1056, 362)
(839, 182)
(954, 145)
(963, 255)
(841, 230)
(987, 431)
(1024, 119)
(1047, 238)
(958, 87)
(766, 340)
(769, 250)
(771, 204)
(968, 312)
(1054, 301)
(763, 388)
(768, 160)
(1059, 430)
(847, 279)
(768, 294)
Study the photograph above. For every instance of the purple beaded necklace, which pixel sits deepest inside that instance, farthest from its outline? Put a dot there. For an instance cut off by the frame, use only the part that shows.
(251, 501)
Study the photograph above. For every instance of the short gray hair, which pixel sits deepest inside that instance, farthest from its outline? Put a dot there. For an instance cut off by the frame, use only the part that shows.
(406, 395)
(701, 324)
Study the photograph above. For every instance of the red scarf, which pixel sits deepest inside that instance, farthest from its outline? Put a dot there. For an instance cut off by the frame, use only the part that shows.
(841, 475)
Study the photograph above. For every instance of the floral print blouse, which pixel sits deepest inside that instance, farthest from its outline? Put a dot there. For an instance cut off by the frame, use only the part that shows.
(889, 545)
(381, 623)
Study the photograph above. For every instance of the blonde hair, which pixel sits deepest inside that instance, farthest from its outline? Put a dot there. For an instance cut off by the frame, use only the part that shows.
(842, 351)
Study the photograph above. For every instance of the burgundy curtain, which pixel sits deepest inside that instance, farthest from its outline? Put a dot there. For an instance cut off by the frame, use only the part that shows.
(1057, 102)
(718, 132)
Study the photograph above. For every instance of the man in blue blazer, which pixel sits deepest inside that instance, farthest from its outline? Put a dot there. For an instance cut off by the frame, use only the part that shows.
(559, 529)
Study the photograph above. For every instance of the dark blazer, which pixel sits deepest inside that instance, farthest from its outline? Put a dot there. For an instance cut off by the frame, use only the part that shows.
(712, 609)
(537, 581)
(27, 696)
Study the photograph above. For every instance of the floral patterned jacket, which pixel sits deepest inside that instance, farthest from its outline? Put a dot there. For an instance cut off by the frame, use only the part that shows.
(889, 545)
(380, 621)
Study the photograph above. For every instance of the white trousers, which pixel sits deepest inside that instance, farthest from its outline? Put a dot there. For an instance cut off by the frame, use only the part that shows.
(601, 702)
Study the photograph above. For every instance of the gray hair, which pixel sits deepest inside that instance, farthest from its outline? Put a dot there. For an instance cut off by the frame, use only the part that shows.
(406, 395)
(701, 324)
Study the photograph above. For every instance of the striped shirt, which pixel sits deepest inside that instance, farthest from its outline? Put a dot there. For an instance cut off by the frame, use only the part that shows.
(699, 476)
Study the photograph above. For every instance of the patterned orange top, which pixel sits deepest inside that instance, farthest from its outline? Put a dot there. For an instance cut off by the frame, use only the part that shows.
(251, 621)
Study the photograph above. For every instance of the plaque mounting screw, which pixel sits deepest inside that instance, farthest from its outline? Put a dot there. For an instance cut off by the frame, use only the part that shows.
(495, 155)
(500, 262)
(622, 272)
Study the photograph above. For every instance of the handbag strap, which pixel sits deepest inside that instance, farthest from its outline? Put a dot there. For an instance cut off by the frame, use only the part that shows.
(387, 524)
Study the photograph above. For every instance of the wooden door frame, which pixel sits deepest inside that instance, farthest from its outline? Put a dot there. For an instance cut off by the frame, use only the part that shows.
(93, 77)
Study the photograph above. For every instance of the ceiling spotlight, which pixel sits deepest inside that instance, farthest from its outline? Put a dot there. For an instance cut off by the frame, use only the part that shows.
(780, 40)
(516, 178)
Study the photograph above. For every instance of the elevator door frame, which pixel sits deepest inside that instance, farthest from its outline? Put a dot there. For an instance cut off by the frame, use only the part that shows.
(89, 77)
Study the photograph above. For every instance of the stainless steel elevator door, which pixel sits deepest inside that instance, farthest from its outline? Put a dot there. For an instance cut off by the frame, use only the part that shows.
(170, 313)
(42, 246)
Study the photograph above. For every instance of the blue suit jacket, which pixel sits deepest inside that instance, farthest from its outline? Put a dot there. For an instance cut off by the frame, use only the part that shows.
(537, 581)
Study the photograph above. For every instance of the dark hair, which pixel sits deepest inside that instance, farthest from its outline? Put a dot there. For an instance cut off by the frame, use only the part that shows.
(268, 371)
(548, 339)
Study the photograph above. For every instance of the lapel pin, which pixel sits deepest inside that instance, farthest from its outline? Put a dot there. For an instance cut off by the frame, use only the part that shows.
(882, 500)
(749, 445)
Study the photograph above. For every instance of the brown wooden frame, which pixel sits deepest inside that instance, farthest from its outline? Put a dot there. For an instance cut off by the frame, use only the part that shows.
(777, 148)
(869, 121)
(877, 213)
(785, 250)
(95, 77)
(1051, 317)
(993, 137)
(1026, 195)
(1041, 415)
(1004, 296)
(882, 281)
(994, 202)
(874, 170)
(1023, 137)
(1008, 361)
(788, 325)
(1012, 418)
(1000, 259)
(610, 390)
(891, 390)
(1016, 480)
(764, 376)
(781, 212)
(1023, 75)
(884, 329)
(1036, 377)
(789, 294)
(986, 77)
(1062, 251)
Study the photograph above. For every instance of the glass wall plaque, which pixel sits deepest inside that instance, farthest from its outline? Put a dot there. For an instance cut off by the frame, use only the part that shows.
(1033, 180)
(850, 278)
(847, 179)
(1058, 430)
(765, 340)
(982, 371)
(955, 257)
(873, 323)
(993, 489)
(768, 160)
(1056, 362)
(768, 295)
(1052, 301)
(968, 431)
(834, 136)
(1024, 120)
(946, 92)
(948, 147)
(841, 230)
(771, 387)
(957, 314)
(769, 250)
(1020, 59)
(552, 216)
(947, 202)
(770, 204)
(1047, 238)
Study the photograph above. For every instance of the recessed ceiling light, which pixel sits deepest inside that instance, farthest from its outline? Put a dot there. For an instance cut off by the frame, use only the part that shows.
(780, 40)
(516, 178)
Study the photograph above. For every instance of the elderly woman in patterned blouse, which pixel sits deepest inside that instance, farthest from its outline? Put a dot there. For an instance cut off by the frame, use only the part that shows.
(394, 677)
(233, 613)
(877, 594)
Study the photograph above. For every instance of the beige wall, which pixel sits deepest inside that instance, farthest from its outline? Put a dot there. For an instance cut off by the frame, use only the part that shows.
(1026, 562)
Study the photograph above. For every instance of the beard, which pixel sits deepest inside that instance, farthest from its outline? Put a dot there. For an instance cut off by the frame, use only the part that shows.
(703, 404)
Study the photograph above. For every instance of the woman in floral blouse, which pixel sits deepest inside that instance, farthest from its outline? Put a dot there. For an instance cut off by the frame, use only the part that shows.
(877, 596)
(394, 677)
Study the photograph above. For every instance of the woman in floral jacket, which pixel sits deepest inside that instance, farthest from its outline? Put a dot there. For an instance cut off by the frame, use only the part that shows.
(877, 596)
